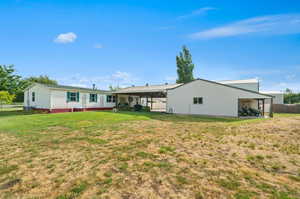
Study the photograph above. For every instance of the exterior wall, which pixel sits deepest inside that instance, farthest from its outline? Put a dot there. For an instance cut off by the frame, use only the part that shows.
(248, 86)
(59, 101)
(250, 103)
(218, 100)
(42, 97)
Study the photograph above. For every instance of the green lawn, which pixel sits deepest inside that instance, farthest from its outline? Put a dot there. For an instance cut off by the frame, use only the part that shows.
(147, 155)
(20, 122)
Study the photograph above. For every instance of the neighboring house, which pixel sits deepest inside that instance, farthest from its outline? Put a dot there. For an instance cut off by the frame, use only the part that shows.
(204, 97)
(56, 98)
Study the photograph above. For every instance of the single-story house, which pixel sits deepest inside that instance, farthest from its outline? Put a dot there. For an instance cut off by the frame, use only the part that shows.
(199, 97)
(57, 98)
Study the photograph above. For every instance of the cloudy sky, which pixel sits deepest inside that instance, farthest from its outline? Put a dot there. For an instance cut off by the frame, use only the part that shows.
(126, 42)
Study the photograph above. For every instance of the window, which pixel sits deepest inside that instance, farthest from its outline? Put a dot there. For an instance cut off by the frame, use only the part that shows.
(110, 98)
(93, 97)
(33, 96)
(72, 97)
(198, 100)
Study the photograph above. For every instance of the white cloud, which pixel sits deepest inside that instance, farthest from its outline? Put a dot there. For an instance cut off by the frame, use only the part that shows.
(271, 24)
(119, 78)
(98, 46)
(65, 38)
(200, 11)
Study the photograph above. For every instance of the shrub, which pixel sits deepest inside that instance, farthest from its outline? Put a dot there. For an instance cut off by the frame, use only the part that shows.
(124, 107)
(6, 98)
(138, 107)
(146, 109)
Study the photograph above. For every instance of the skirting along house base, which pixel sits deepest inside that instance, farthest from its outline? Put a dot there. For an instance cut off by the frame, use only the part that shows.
(64, 110)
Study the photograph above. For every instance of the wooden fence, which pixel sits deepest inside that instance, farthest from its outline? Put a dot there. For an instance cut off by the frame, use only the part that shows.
(286, 108)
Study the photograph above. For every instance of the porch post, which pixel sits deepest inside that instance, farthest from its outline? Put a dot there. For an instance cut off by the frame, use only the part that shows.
(151, 103)
(271, 108)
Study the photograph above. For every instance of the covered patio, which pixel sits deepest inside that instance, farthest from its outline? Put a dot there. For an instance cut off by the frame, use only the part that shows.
(153, 96)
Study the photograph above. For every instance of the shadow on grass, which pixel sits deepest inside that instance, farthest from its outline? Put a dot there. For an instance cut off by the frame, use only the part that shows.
(183, 118)
(7, 113)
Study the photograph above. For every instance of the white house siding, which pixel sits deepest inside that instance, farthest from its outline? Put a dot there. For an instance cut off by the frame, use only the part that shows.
(218, 100)
(42, 97)
(59, 100)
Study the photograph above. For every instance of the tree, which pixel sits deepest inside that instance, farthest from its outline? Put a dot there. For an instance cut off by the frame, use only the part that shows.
(6, 98)
(185, 66)
(42, 79)
(112, 88)
(287, 90)
(9, 81)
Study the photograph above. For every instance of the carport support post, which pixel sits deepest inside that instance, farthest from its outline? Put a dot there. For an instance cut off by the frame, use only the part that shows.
(271, 108)
(263, 107)
(116, 100)
(151, 103)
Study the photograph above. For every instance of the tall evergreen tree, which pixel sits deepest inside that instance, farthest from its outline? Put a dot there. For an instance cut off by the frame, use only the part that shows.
(185, 66)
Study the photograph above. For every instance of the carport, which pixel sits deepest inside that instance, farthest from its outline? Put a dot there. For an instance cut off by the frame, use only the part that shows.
(147, 95)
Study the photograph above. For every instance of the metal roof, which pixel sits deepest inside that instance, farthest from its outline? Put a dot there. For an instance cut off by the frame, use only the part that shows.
(72, 88)
(242, 81)
(147, 89)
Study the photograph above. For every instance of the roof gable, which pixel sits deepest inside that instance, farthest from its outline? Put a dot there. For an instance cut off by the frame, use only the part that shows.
(226, 85)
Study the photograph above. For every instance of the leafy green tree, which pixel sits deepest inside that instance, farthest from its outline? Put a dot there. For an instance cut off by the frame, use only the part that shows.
(6, 98)
(185, 66)
(9, 81)
(42, 79)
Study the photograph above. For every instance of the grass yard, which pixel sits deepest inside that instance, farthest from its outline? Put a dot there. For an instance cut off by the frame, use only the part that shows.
(148, 155)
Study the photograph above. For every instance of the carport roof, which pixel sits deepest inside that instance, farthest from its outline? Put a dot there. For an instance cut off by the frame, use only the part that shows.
(147, 89)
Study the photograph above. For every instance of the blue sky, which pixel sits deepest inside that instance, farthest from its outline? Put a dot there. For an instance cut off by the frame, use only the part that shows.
(125, 42)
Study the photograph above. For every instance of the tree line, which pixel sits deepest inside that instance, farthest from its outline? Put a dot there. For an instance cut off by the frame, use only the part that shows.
(12, 85)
